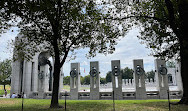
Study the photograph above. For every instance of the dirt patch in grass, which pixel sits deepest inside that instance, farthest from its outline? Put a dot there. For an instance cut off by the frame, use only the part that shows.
(8, 101)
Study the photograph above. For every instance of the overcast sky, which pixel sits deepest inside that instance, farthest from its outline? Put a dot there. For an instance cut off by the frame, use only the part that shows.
(128, 49)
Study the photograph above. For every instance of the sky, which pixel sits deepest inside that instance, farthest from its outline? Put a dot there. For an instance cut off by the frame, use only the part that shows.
(128, 49)
(5, 40)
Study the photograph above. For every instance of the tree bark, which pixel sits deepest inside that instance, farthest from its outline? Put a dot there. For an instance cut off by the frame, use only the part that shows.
(4, 86)
(183, 10)
(56, 73)
(55, 91)
(184, 70)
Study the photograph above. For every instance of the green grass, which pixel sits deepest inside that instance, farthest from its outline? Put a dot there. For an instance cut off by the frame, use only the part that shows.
(66, 87)
(2, 89)
(90, 105)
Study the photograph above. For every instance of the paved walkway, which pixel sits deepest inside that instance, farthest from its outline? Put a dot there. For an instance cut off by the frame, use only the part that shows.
(8, 96)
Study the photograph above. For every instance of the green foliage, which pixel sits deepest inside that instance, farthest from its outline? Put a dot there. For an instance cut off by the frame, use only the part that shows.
(109, 76)
(162, 23)
(164, 30)
(150, 75)
(102, 80)
(5, 72)
(66, 80)
(127, 73)
(170, 64)
(86, 80)
(2, 92)
(157, 30)
(60, 27)
(82, 79)
(6, 19)
(66, 25)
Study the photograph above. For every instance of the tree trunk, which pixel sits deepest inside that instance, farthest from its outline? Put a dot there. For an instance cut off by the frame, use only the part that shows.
(184, 71)
(4, 86)
(55, 91)
(183, 9)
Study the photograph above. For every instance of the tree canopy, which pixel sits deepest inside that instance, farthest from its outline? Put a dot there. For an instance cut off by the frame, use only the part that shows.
(150, 75)
(163, 25)
(5, 72)
(164, 30)
(171, 64)
(60, 27)
(66, 80)
(127, 73)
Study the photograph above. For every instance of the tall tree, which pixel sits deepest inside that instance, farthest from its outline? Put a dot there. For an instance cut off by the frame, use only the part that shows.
(5, 72)
(165, 31)
(163, 25)
(61, 26)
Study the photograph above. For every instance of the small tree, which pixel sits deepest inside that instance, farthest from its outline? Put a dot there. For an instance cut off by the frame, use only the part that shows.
(66, 80)
(5, 72)
(150, 75)
(86, 79)
(102, 80)
(127, 73)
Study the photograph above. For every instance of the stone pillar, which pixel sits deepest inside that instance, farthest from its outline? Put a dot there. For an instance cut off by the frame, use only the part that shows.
(43, 81)
(74, 80)
(27, 78)
(94, 81)
(161, 78)
(178, 76)
(61, 80)
(116, 79)
(35, 75)
(139, 77)
(23, 77)
(17, 72)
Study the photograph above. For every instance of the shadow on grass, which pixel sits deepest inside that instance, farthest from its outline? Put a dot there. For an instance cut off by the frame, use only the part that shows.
(90, 105)
(43, 105)
(149, 105)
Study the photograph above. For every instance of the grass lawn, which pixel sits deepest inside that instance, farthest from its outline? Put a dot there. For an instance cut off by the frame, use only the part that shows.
(90, 105)
(2, 89)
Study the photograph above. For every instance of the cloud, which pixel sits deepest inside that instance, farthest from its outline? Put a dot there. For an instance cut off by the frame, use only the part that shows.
(128, 49)
(5, 39)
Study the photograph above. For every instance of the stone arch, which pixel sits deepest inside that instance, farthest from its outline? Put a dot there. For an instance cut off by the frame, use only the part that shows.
(44, 72)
